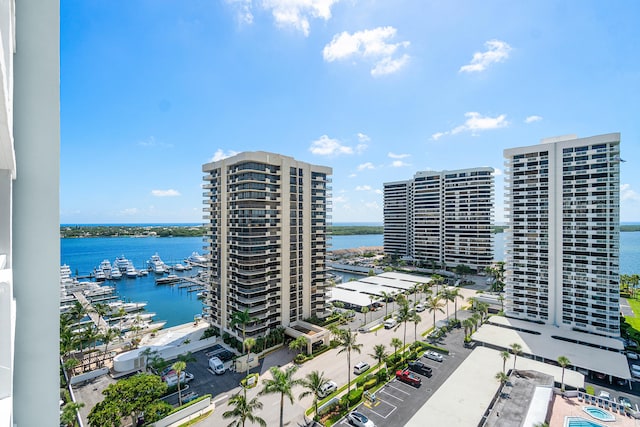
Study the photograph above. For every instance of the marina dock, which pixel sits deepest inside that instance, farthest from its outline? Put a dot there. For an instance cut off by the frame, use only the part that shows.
(99, 321)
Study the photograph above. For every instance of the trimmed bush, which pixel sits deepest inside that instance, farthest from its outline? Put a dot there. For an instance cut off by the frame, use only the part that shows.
(382, 375)
(355, 396)
(370, 383)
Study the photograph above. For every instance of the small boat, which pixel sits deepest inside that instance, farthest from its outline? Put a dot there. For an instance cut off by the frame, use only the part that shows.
(115, 274)
(143, 273)
(179, 267)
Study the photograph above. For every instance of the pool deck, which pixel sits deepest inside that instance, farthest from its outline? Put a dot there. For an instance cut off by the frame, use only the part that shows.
(563, 407)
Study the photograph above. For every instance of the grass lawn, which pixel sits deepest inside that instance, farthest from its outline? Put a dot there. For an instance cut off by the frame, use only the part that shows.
(634, 321)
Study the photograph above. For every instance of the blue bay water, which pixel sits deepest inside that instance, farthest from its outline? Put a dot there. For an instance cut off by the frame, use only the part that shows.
(177, 306)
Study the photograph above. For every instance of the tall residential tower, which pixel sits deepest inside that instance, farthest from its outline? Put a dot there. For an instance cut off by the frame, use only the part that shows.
(562, 245)
(266, 219)
(441, 217)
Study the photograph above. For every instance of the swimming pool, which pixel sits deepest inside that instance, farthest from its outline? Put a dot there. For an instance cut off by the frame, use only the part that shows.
(580, 422)
(598, 413)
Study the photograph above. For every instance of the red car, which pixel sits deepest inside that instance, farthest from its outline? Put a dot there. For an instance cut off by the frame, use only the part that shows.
(408, 377)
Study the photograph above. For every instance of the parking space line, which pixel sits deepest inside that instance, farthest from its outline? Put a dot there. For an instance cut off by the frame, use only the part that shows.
(390, 412)
(389, 394)
(396, 388)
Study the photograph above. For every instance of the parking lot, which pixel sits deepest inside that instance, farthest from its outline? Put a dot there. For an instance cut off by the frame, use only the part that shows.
(205, 381)
(397, 402)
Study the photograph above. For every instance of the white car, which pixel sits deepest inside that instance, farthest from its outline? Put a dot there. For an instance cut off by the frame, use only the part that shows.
(359, 420)
(635, 371)
(327, 388)
(419, 308)
(604, 395)
(433, 356)
(632, 355)
(390, 323)
(360, 368)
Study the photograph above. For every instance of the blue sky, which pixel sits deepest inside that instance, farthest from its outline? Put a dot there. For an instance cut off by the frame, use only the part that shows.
(378, 90)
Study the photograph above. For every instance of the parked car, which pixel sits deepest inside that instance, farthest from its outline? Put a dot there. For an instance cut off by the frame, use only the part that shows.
(624, 401)
(433, 356)
(420, 308)
(360, 368)
(390, 323)
(359, 420)
(408, 377)
(327, 388)
(604, 395)
(216, 365)
(420, 368)
(632, 355)
(172, 378)
(635, 371)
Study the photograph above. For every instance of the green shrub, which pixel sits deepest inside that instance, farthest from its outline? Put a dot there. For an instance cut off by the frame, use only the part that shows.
(590, 390)
(369, 383)
(382, 375)
(360, 382)
(355, 396)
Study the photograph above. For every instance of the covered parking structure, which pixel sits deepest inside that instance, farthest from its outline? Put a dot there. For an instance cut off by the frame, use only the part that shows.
(357, 293)
(547, 343)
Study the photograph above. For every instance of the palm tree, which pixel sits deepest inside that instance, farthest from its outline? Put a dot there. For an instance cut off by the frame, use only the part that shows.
(364, 310)
(505, 355)
(396, 344)
(69, 415)
(242, 318)
(348, 343)
(379, 353)
(434, 305)
(516, 349)
(313, 382)
(243, 410)
(249, 343)
(467, 324)
(414, 290)
(416, 319)
(501, 299)
(404, 315)
(452, 296)
(386, 296)
(282, 383)
(298, 344)
(563, 361)
(179, 367)
(107, 336)
(502, 377)
(437, 280)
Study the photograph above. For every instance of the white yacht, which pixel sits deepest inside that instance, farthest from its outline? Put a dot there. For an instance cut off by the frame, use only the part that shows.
(156, 265)
(179, 267)
(196, 258)
(131, 271)
(122, 263)
(99, 275)
(115, 274)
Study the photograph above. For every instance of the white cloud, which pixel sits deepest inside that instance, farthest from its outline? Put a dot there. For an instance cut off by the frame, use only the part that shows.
(353, 175)
(220, 154)
(286, 13)
(363, 138)
(497, 172)
(475, 123)
(360, 148)
(627, 193)
(399, 164)
(151, 142)
(326, 146)
(363, 188)
(497, 51)
(398, 156)
(340, 199)
(367, 165)
(378, 191)
(372, 205)
(165, 193)
(370, 45)
(532, 119)
(129, 211)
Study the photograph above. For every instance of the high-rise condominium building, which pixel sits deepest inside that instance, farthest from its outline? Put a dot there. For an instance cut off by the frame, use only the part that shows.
(563, 237)
(441, 218)
(266, 217)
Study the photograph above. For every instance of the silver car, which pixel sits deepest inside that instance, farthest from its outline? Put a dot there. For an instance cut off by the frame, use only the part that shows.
(359, 420)
(433, 356)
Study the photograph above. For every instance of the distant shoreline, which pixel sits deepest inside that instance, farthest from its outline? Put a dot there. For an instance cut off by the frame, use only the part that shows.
(194, 230)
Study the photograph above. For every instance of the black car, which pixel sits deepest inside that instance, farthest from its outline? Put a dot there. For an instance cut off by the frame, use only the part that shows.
(420, 368)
